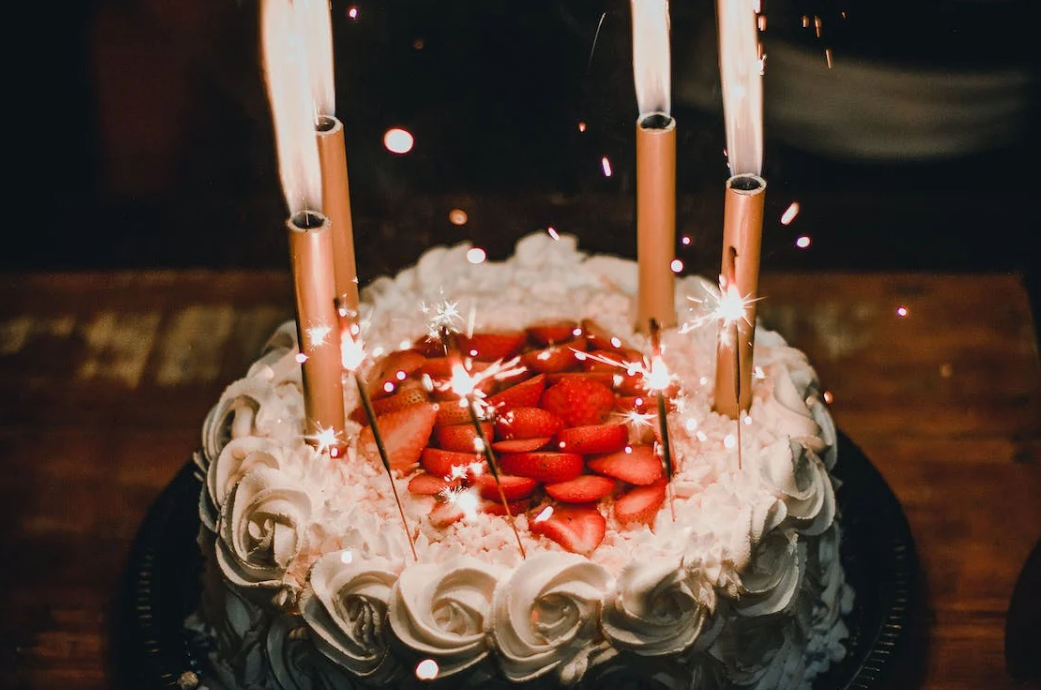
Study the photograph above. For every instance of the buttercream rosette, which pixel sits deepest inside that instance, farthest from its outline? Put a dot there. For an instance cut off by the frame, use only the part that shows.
(657, 607)
(798, 477)
(772, 580)
(441, 611)
(764, 654)
(295, 662)
(264, 526)
(253, 407)
(346, 612)
(545, 617)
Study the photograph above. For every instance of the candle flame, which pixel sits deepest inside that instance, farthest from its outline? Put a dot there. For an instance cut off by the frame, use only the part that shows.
(286, 70)
(318, 31)
(651, 62)
(742, 83)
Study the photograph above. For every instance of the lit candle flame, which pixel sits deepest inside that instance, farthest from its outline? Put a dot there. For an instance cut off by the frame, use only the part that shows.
(319, 44)
(651, 61)
(286, 69)
(742, 84)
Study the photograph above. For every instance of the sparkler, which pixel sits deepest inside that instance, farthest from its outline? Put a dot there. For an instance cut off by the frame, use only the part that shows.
(465, 386)
(658, 379)
(352, 356)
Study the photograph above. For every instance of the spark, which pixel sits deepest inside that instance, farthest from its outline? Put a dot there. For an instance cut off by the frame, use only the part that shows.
(318, 335)
(828, 397)
(803, 241)
(325, 440)
(581, 126)
(726, 307)
(544, 515)
(457, 216)
(606, 165)
(301, 358)
(467, 384)
(352, 352)
(352, 12)
(902, 311)
(388, 387)
(676, 265)
(553, 233)
(427, 669)
(466, 499)
(398, 140)
(444, 314)
(729, 441)
(827, 56)
(347, 557)
(685, 240)
(476, 255)
(638, 420)
(789, 213)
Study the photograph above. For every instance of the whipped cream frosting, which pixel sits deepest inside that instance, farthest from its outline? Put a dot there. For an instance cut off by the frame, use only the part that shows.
(744, 587)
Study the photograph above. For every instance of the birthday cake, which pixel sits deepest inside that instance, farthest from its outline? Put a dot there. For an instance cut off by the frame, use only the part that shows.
(582, 557)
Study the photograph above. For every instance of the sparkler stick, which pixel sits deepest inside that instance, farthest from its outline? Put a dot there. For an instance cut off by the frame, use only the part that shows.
(463, 384)
(655, 164)
(352, 354)
(657, 371)
(336, 200)
(310, 247)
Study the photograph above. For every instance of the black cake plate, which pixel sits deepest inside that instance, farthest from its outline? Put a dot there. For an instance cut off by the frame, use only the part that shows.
(152, 649)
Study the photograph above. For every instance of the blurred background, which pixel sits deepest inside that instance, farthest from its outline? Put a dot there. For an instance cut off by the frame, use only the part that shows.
(905, 132)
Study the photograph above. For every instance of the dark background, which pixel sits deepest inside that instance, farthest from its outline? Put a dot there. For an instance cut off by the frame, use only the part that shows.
(147, 142)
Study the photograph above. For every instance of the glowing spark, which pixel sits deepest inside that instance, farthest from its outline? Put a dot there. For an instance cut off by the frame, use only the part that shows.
(828, 397)
(803, 241)
(553, 233)
(388, 387)
(606, 165)
(901, 311)
(638, 420)
(691, 424)
(467, 500)
(401, 375)
(581, 126)
(726, 308)
(301, 358)
(658, 378)
(466, 384)
(759, 373)
(544, 515)
(444, 314)
(352, 353)
(352, 12)
(347, 557)
(703, 380)
(325, 439)
(817, 25)
(827, 56)
(676, 265)
(789, 213)
(747, 420)
(702, 436)
(476, 255)
(685, 240)
(427, 669)
(729, 441)
(317, 335)
(398, 140)
(457, 216)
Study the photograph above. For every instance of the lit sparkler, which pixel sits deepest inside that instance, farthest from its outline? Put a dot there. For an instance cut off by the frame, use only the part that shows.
(352, 354)
(658, 379)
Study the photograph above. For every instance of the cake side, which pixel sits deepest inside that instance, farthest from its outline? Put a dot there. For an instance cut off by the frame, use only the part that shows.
(307, 554)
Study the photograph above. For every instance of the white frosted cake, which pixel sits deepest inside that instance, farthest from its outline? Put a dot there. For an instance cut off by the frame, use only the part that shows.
(712, 577)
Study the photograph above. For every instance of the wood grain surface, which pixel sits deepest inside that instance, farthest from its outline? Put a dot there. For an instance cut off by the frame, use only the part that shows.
(106, 378)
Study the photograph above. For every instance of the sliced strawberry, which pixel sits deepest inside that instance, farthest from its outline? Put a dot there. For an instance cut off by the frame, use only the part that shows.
(614, 361)
(543, 466)
(426, 484)
(444, 514)
(527, 422)
(582, 489)
(641, 503)
(520, 445)
(524, 394)
(451, 412)
(578, 401)
(635, 465)
(553, 331)
(579, 529)
(447, 463)
(597, 438)
(488, 347)
(437, 367)
(461, 437)
(513, 487)
(496, 508)
(411, 393)
(391, 369)
(602, 377)
(405, 434)
(555, 358)
(429, 346)
(600, 338)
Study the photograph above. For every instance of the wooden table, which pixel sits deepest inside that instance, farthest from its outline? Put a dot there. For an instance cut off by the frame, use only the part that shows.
(106, 378)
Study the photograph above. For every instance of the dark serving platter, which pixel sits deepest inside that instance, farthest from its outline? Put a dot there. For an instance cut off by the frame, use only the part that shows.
(152, 649)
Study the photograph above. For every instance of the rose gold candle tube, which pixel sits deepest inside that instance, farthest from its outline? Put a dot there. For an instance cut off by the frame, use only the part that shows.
(311, 256)
(742, 243)
(336, 204)
(656, 220)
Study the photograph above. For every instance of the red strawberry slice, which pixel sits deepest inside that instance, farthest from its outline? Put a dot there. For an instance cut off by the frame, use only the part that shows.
(513, 487)
(602, 377)
(426, 484)
(488, 347)
(583, 489)
(614, 361)
(520, 445)
(411, 393)
(527, 422)
(578, 402)
(443, 462)
(635, 465)
(556, 358)
(437, 367)
(429, 346)
(641, 503)
(390, 370)
(543, 466)
(451, 412)
(551, 332)
(462, 438)
(496, 507)
(405, 434)
(579, 529)
(600, 338)
(597, 438)
(524, 394)
(444, 514)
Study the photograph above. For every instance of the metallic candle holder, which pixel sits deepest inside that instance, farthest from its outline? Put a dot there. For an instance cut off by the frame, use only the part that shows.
(656, 219)
(336, 203)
